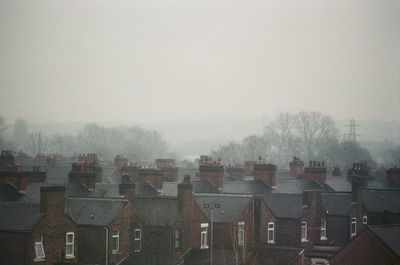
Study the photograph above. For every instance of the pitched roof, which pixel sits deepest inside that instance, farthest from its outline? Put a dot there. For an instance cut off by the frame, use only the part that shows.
(8, 193)
(382, 200)
(337, 203)
(246, 187)
(297, 186)
(338, 183)
(93, 211)
(204, 186)
(226, 208)
(284, 205)
(18, 216)
(157, 211)
(390, 235)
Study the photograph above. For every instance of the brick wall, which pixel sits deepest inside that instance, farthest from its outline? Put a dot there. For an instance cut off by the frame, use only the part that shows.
(15, 248)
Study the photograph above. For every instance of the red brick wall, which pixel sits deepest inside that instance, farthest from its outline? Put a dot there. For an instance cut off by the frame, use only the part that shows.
(15, 248)
(92, 243)
(265, 173)
(365, 249)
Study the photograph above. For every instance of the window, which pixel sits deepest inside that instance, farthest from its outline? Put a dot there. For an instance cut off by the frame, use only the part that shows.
(323, 229)
(304, 232)
(365, 220)
(69, 245)
(138, 239)
(115, 241)
(353, 227)
(203, 236)
(39, 250)
(271, 233)
(241, 233)
(177, 238)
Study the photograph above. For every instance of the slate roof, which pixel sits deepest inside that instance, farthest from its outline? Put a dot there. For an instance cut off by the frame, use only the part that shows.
(230, 206)
(18, 216)
(93, 211)
(337, 203)
(246, 187)
(297, 186)
(382, 200)
(9, 194)
(390, 235)
(338, 183)
(145, 189)
(204, 187)
(284, 205)
(157, 211)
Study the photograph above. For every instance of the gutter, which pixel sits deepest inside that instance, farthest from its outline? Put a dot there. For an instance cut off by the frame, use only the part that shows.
(106, 229)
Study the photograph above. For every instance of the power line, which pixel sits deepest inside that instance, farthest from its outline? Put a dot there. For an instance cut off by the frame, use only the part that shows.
(352, 135)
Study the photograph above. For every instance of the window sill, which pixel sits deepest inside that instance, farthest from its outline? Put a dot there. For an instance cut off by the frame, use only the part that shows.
(138, 250)
(204, 247)
(116, 252)
(271, 242)
(69, 257)
(304, 240)
(324, 238)
(39, 259)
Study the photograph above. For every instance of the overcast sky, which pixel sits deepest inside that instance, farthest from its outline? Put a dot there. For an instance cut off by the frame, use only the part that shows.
(95, 60)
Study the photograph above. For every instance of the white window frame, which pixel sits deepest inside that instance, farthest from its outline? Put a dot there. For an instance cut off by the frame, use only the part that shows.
(353, 232)
(365, 220)
(304, 231)
(39, 244)
(68, 243)
(241, 233)
(138, 240)
(177, 238)
(323, 229)
(203, 235)
(271, 231)
(115, 241)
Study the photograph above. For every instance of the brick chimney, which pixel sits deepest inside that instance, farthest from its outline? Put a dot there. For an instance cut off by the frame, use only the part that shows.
(168, 168)
(249, 167)
(393, 175)
(129, 173)
(357, 187)
(359, 170)
(6, 160)
(151, 175)
(211, 170)
(313, 206)
(52, 199)
(185, 209)
(266, 172)
(127, 190)
(86, 171)
(296, 167)
(316, 171)
(235, 171)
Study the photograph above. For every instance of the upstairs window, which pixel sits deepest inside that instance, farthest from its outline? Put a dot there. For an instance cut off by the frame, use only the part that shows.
(353, 226)
(69, 245)
(137, 235)
(203, 235)
(241, 233)
(39, 249)
(177, 238)
(271, 233)
(323, 229)
(304, 231)
(365, 220)
(115, 241)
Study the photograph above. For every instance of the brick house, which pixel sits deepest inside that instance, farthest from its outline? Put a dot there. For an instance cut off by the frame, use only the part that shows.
(374, 245)
(38, 233)
(105, 225)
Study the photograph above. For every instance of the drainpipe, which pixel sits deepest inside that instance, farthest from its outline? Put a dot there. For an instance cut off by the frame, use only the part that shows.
(106, 229)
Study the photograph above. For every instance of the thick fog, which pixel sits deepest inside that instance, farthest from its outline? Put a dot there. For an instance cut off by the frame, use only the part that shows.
(139, 61)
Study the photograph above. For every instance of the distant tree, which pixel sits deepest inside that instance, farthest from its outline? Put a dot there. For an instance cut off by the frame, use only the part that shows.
(231, 153)
(2, 129)
(37, 144)
(254, 146)
(345, 153)
(21, 133)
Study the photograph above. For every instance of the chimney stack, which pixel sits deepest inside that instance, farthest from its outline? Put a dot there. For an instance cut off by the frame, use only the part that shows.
(211, 170)
(316, 171)
(127, 190)
(265, 172)
(151, 175)
(296, 167)
(52, 199)
(360, 170)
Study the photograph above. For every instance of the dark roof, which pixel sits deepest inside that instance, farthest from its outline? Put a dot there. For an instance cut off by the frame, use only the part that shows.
(230, 206)
(284, 205)
(337, 203)
(246, 187)
(157, 211)
(383, 184)
(390, 235)
(277, 256)
(93, 211)
(338, 183)
(297, 186)
(58, 174)
(18, 216)
(8, 193)
(382, 200)
(145, 189)
(204, 187)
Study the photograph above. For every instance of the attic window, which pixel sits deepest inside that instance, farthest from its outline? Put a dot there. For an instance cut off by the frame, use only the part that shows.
(323, 229)
(138, 240)
(353, 226)
(69, 245)
(203, 235)
(271, 233)
(115, 241)
(241, 233)
(304, 231)
(365, 220)
(39, 250)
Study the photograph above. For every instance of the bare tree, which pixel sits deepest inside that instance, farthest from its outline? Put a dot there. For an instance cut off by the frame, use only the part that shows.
(36, 144)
